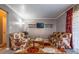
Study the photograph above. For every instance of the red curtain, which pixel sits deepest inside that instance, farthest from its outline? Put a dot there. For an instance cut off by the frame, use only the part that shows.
(69, 23)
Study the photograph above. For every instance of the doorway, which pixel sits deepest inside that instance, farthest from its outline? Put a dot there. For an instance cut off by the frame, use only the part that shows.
(3, 23)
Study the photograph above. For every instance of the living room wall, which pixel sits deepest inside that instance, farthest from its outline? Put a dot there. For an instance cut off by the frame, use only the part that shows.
(61, 23)
(33, 32)
(42, 32)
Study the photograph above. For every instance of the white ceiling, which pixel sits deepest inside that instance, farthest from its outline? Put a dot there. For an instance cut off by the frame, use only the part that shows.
(34, 11)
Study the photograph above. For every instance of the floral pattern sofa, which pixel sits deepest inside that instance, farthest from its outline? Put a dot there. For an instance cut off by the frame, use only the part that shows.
(60, 39)
(18, 40)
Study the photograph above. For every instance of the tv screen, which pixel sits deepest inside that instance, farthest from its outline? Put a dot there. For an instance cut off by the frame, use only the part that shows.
(40, 25)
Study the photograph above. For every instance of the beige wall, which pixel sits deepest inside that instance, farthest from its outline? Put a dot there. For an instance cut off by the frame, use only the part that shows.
(61, 23)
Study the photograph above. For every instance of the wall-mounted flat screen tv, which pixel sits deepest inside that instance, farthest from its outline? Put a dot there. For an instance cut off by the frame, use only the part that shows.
(40, 25)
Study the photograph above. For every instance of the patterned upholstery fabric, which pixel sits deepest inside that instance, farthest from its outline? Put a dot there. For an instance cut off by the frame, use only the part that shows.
(60, 39)
(18, 40)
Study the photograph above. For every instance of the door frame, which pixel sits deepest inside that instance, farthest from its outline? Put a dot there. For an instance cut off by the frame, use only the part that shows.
(4, 43)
